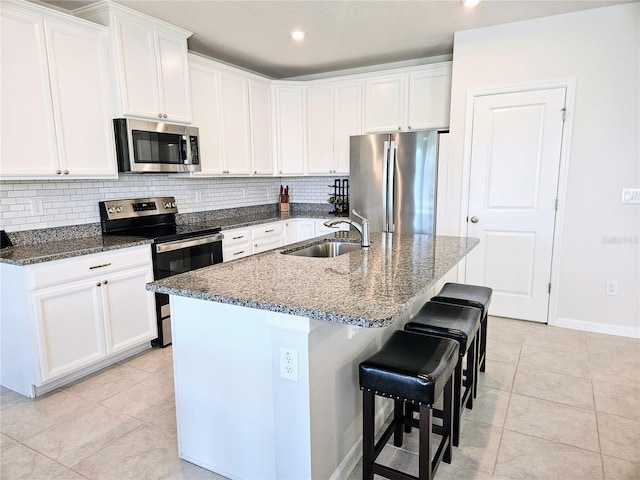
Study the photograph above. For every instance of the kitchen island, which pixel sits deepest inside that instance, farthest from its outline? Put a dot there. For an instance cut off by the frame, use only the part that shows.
(266, 350)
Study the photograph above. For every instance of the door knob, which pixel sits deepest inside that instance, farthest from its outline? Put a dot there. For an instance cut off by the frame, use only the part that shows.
(474, 219)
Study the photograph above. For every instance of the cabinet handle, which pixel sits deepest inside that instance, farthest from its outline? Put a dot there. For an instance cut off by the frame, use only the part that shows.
(400, 128)
(280, 171)
(59, 172)
(98, 284)
(159, 115)
(409, 127)
(269, 231)
(100, 266)
(164, 115)
(238, 253)
(66, 172)
(255, 172)
(237, 238)
(105, 282)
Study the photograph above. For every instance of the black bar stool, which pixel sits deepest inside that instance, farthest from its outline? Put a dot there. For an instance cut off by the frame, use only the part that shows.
(461, 324)
(411, 369)
(470, 296)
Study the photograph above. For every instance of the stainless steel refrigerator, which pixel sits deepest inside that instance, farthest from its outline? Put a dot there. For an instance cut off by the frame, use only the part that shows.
(393, 180)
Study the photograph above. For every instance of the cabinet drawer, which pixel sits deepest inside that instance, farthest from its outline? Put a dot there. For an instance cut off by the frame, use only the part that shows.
(267, 230)
(236, 251)
(60, 271)
(235, 237)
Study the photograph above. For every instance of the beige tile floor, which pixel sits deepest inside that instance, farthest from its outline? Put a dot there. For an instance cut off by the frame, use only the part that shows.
(554, 404)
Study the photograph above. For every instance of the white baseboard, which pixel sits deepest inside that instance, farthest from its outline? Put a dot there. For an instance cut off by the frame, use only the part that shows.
(633, 332)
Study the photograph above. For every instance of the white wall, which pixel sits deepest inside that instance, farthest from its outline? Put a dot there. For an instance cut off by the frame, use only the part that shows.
(75, 202)
(600, 48)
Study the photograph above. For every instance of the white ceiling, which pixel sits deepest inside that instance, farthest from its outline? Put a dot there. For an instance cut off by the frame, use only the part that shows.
(341, 35)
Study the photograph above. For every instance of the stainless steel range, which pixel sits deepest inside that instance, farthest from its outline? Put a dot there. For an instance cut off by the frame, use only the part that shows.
(176, 248)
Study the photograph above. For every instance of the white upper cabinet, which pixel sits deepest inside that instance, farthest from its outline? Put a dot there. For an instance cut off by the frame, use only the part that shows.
(261, 132)
(429, 98)
(232, 111)
(384, 104)
(347, 121)
(151, 69)
(289, 114)
(205, 95)
(46, 57)
(419, 98)
(236, 134)
(320, 129)
(334, 113)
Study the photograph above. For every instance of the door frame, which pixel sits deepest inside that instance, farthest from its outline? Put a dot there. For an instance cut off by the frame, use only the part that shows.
(556, 259)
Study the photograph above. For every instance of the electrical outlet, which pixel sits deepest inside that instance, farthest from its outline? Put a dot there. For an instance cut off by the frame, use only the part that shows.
(198, 196)
(630, 195)
(611, 288)
(37, 206)
(289, 363)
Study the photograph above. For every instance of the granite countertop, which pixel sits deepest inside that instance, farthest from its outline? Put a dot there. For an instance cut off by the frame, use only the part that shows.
(51, 245)
(367, 288)
(60, 249)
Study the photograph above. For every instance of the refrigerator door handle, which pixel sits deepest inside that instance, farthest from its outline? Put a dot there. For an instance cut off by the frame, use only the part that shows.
(385, 167)
(390, 182)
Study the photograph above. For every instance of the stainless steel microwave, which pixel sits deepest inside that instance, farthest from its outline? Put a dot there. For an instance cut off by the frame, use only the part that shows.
(155, 147)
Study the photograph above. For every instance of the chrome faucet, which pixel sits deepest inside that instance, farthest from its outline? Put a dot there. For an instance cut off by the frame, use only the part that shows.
(363, 229)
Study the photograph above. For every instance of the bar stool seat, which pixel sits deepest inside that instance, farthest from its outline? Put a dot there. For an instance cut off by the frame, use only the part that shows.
(470, 296)
(460, 324)
(411, 369)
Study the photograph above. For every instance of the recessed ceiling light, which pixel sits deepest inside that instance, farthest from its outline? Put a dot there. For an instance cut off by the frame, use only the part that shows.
(470, 3)
(298, 35)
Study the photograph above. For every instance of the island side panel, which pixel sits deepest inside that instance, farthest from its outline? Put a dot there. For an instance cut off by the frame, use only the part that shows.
(223, 381)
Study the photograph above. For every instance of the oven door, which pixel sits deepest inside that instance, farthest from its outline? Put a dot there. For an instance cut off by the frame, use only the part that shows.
(180, 256)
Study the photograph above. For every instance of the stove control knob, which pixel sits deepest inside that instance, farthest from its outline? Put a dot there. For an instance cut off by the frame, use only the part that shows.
(167, 205)
(173, 204)
(118, 209)
(111, 209)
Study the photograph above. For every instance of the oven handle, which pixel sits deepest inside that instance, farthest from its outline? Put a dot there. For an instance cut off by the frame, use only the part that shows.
(191, 242)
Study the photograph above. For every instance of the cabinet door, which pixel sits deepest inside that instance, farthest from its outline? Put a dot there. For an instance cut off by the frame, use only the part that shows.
(429, 98)
(83, 116)
(320, 129)
(289, 114)
(347, 121)
(268, 243)
(137, 69)
(305, 229)
(129, 309)
(290, 232)
(28, 145)
(260, 108)
(384, 106)
(205, 105)
(69, 328)
(174, 78)
(236, 135)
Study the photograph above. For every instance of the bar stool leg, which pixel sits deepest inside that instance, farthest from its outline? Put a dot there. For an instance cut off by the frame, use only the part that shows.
(472, 367)
(424, 461)
(447, 424)
(457, 402)
(368, 432)
(484, 327)
(398, 418)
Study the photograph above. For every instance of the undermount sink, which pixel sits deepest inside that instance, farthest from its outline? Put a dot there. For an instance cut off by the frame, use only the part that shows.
(326, 249)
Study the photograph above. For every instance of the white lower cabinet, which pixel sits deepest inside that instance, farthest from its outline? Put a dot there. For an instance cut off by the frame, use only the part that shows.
(236, 243)
(267, 236)
(75, 316)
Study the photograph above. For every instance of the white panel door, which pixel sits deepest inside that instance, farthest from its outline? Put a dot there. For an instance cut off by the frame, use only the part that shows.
(174, 78)
(236, 130)
(261, 134)
(320, 129)
(515, 160)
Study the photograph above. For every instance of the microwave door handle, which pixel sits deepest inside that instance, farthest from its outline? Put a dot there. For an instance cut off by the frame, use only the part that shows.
(183, 148)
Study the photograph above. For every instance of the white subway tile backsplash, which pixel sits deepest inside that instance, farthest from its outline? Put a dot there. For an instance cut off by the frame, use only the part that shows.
(75, 202)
